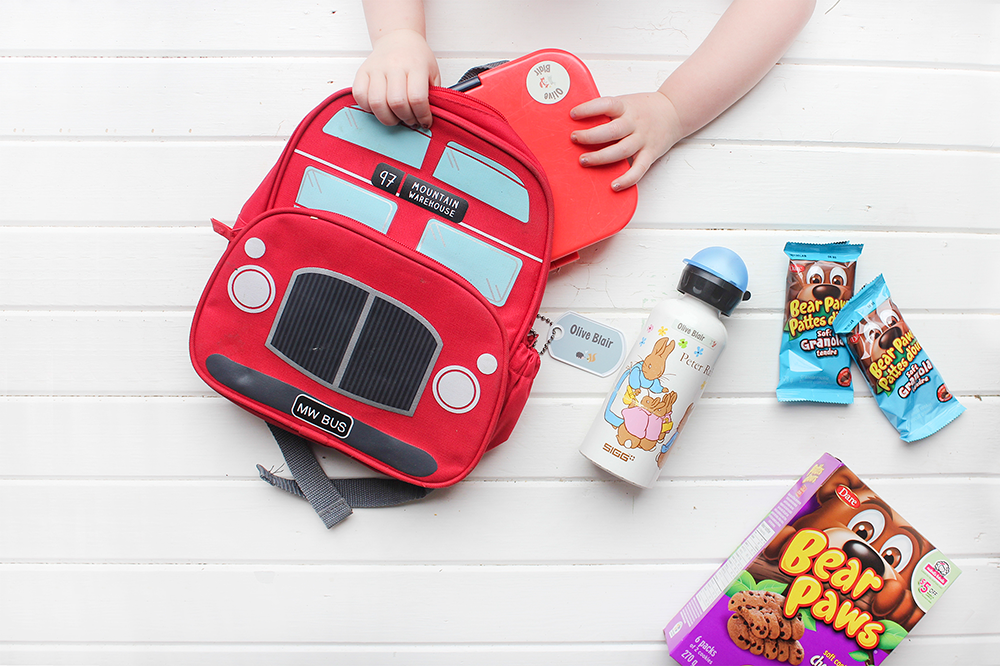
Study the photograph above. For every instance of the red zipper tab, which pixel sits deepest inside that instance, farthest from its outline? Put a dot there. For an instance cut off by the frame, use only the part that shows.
(223, 229)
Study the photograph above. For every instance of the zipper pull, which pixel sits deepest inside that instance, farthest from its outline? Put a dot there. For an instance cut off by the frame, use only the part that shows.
(223, 229)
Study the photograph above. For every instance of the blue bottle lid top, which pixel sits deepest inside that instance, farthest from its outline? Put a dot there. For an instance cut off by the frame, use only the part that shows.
(717, 276)
(724, 263)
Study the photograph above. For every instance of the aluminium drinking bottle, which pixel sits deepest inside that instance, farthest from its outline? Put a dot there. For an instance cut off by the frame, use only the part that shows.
(667, 369)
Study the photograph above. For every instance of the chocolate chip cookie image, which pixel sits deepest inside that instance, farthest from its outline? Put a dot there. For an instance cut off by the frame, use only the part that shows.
(761, 610)
(758, 626)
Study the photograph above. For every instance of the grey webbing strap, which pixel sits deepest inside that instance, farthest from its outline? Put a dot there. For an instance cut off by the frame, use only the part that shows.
(312, 481)
(333, 498)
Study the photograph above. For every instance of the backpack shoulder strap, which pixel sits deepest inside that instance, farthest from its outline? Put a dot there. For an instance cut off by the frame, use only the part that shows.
(333, 499)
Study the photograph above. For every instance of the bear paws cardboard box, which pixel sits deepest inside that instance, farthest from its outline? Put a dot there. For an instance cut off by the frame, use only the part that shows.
(833, 576)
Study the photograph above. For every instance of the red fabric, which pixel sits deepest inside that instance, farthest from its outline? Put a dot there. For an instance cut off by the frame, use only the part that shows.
(474, 334)
(524, 367)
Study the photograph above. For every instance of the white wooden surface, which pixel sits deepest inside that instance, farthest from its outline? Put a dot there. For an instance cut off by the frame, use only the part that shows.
(133, 528)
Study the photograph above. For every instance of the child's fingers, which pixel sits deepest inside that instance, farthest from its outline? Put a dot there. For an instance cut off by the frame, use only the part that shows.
(394, 98)
(397, 98)
(639, 128)
(613, 130)
(418, 93)
(618, 126)
(642, 160)
(641, 157)
(377, 91)
(600, 106)
(360, 90)
(610, 154)
(640, 165)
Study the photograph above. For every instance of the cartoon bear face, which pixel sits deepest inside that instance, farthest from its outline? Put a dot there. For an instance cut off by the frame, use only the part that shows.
(857, 521)
(872, 532)
(819, 280)
(875, 334)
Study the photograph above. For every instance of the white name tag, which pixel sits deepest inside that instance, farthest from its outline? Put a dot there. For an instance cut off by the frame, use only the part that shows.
(586, 344)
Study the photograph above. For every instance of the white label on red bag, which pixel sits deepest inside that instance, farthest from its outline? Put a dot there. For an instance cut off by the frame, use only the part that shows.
(440, 202)
(322, 416)
(547, 82)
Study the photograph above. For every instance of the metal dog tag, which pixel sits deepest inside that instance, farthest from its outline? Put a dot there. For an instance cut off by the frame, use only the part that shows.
(586, 344)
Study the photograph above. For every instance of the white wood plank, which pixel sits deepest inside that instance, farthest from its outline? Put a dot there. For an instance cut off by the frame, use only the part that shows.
(870, 31)
(185, 28)
(727, 438)
(500, 521)
(117, 353)
(389, 606)
(700, 185)
(167, 267)
(738, 187)
(165, 97)
(266, 97)
(107, 267)
(146, 353)
(918, 651)
(158, 183)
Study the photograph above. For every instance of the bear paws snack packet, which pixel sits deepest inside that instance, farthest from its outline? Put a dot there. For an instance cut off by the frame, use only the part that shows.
(832, 575)
(814, 364)
(902, 378)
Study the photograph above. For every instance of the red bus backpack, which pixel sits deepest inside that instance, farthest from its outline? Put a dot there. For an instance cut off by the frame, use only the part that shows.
(377, 296)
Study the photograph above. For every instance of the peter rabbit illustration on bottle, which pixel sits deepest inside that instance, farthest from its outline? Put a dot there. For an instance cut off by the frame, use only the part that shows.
(645, 418)
(645, 375)
(665, 446)
(647, 423)
(633, 434)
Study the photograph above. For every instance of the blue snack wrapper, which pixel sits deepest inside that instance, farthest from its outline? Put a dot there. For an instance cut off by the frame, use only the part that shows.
(906, 385)
(814, 364)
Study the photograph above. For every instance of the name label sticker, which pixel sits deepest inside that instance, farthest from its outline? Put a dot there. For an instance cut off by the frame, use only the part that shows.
(547, 82)
(442, 203)
(588, 345)
(322, 416)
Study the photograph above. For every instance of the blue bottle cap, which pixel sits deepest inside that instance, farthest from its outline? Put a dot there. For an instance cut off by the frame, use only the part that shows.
(717, 276)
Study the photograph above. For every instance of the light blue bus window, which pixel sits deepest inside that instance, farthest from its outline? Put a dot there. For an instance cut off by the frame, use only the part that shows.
(484, 179)
(482, 158)
(490, 270)
(322, 191)
(363, 129)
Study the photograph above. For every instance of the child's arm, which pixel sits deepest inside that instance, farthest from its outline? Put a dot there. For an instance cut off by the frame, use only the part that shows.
(393, 82)
(742, 47)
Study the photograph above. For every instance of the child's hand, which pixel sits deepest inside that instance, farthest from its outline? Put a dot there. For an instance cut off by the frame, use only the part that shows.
(643, 127)
(393, 82)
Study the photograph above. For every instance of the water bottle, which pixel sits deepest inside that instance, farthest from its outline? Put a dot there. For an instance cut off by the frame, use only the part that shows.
(667, 369)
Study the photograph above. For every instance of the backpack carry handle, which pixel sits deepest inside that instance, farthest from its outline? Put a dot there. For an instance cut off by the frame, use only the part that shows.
(470, 79)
